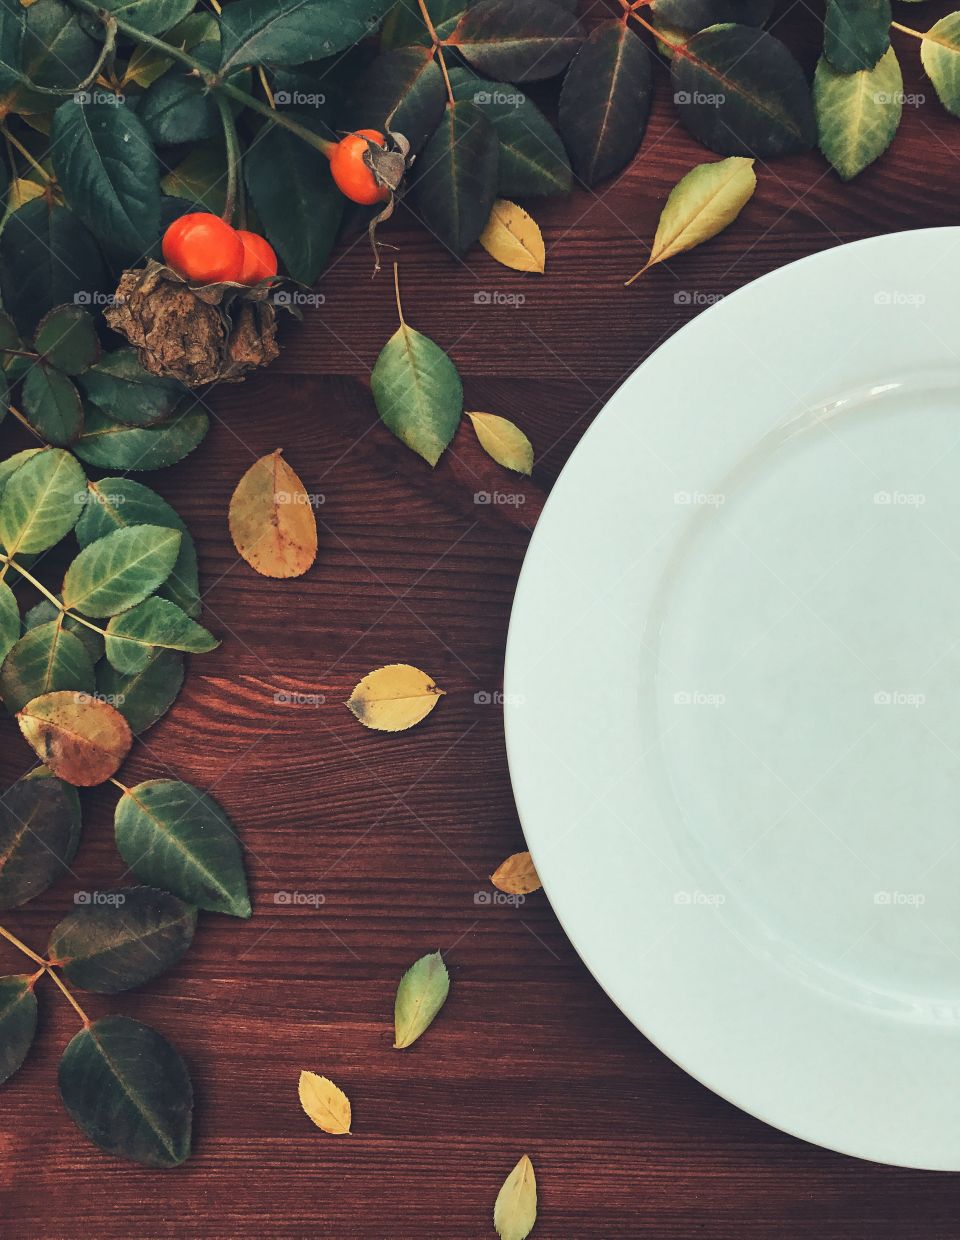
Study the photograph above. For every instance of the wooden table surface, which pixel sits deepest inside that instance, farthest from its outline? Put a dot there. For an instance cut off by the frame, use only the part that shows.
(398, 833)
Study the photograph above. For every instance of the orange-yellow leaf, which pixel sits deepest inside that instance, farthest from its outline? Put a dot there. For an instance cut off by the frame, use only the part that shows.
(394, 698)
(506, 443)
(82, 739)
(326, 1104)
(513, 238)
(517, 875)
(271, 519)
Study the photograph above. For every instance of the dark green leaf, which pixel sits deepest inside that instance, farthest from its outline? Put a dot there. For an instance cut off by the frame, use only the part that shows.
(402, 92)
(9, 336)
(120, 570)
(105, 162)
(940, 54)
(48, 257)
(52, 405)
(56, 51)
(39, 833)
(857, 113)
(519, 40)
(418, 392)
(44, 611)
(67, 338)
(150, 16)
(740, 92)
(134, 637)
(116, 503)
(9, 620)
(121, 939)
(111, 445)
(532, 159)
(129, 1091)
(18, 1022)
(294, 195)
(456, 183)
(178, 108)
(856, 33)
(42, 501)
(696, 14)
(175, 837)
(605, 101)
(46, 659)
(404, 23)
(124, 391)
(144, 698)
(290, 32)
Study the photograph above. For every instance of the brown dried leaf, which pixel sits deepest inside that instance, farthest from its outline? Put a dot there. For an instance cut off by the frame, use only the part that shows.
(80, 738)
(517, 876)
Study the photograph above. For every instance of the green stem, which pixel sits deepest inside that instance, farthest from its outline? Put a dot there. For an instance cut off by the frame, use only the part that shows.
(917, 34)
(12, 938)
(232, 144)
(9, 561)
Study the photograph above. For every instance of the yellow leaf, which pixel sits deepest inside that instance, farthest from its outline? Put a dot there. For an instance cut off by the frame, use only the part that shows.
(516, 1209)
(326, 1104)
(517, 876)
(271, 519)
(700, 205)
(513, 238)
(506, 443)
(394, 698)
(22, 191)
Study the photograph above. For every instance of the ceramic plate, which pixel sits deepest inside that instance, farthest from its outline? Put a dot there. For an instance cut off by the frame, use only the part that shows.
(733, 698)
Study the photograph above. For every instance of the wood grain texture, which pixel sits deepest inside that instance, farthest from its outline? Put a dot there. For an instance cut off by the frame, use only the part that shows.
(398, 833)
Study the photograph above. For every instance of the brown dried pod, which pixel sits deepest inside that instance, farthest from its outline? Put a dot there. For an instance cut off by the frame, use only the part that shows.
(218, 332)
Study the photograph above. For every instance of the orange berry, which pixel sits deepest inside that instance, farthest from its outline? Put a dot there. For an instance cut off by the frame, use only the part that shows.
(354, 178)
(259, 258)
(203, 248)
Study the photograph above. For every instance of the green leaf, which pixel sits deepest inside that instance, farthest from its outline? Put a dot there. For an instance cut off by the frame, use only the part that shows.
(10, 466)
(67, 339)
(9, 620)
(120, 570)
(418, 392)
(200, 179)
(150, 16)
(857, 113)
(129, 1091)
(296, 199)
(120, 387)
(940, 54)
(9, 336)
(39, 833)
(118, 503)
(45, 660)
(52, 405)
(18, 1022)
(134, 637)
(56, 51)
(111, 445)
(856, 33)
(519, 40)
(421, 994)
(145, 697)
(175, 837)
(42, 501)
(123, 940)
(291, 32)
(44, 611)
(402, 91)
(696, 14)
(532, 159)
(179, 108)
(105, 162)
(605, 101)
(404, 23)
(48, 258)
(457, 181)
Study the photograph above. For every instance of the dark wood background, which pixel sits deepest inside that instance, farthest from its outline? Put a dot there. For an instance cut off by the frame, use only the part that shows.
(398, 833)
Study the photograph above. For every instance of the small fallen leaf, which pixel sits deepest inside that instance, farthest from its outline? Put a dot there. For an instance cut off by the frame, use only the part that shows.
(271, 519)
(326, 1104)
(82, 739)
(506, 443)
(700, 205)
(513, 238)
(515, 1211)
(517, 876)
(421, 994)
(393, 698)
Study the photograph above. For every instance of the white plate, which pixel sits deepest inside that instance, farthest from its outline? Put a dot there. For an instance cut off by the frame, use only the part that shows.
(733, 698)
